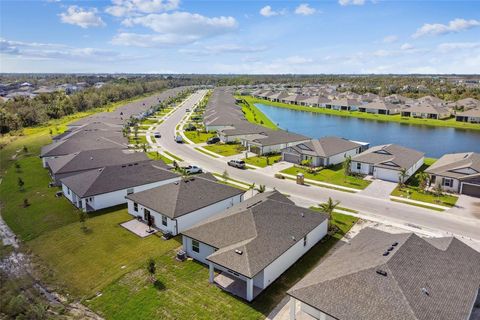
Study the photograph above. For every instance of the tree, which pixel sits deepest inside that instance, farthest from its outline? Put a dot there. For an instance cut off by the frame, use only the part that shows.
(152, 269)
(306, 163)
(328, 207)
(144, 147)
(17, 166)
(422, 178)
(135, 131)
(82, 217)
(261, 188)
(437, 190)
(225, 175)
(183, 172)
(20, 183)
(402, 177)
(346, 167)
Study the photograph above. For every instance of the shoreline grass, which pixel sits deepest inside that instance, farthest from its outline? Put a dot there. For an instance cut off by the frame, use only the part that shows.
(254, 115)
(448, 123)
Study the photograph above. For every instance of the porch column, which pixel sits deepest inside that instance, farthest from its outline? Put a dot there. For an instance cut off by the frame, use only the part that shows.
(292, 308)
(184, 243)
(211, 272)
(249, 289)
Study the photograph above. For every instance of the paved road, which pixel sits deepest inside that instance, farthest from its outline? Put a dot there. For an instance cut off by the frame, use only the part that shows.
(379, 209)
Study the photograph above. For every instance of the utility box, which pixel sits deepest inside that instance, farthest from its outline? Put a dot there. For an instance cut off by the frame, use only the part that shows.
(300, 178)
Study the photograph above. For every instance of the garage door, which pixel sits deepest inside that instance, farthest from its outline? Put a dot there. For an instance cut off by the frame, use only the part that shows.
(290, 157)
(471, 190)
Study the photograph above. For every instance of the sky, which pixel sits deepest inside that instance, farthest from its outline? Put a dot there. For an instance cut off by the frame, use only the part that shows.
(240, 37)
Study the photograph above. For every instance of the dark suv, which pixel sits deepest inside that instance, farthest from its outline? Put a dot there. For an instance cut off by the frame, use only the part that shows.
(213, 140)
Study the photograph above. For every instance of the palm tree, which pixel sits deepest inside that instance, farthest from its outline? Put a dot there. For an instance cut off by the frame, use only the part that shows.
(422, 178)
(225, 175)
(328, 207)
(261, 188)
(252, 187)
(346, 167)
(183, 172)
(152, 269)
(402, 175)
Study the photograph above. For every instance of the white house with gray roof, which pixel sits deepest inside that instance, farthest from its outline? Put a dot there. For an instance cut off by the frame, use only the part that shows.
(379, 276)
(253, 243)
(175, 207)
(385, 162)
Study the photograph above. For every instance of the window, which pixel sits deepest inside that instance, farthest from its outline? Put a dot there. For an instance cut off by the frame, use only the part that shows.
(359, 166)
(129, 190)
(195, 246)
(305, 241)
(135, 207)
(164, 220)
(68, 190)
(447, 182)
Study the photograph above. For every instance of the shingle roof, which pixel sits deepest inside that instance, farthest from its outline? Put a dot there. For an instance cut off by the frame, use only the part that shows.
(390, 156)
(118, 177)
(262, 228)
(456, 165)
(425, 279)
(179, 198)
(475, 112)
(326, 146)
(381, 105)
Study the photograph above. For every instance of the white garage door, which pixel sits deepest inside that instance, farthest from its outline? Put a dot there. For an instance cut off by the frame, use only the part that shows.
(386, 174)
(290, 157)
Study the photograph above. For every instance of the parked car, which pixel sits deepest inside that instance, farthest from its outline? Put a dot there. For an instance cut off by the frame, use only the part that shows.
(178, 139)
(157, 135)
(213, 140)
(240, 164)
(187, 110)
(192, 169)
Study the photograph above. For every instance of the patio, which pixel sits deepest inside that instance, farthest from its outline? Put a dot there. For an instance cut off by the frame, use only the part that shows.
(139, 228)
(235, 286)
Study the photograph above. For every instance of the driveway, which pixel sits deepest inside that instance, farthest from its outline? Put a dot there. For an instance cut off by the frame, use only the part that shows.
(466, 206)
(379, 189)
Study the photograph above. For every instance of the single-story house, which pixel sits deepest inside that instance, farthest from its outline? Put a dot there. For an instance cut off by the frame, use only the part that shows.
(323, 152)
(315, 101)
(65, 166)
(294, 99)
(107, 187)
(457, 172)
(385, 162)
(343, 104)
(277, 97)
(472, 116)
(240, 131)
(380, 107)
(254, 242)
(426, 111)
(272, 141)
(379, 275)
(177, 206)
(466, 104)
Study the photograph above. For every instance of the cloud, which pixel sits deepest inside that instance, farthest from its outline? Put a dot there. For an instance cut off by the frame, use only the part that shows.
(305, 9)
(351, 2)
(454, 46)
(407, 46)
(267, 11)
(390, 39)
(121, 8)
(453, 26)
(84, 18)
(224, 48)
(295, 60)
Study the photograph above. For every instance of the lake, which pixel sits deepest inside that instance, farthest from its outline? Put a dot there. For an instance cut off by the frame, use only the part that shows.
(434, 141)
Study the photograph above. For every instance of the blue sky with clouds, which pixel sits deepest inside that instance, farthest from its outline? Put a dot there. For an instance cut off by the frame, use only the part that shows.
(201, 36)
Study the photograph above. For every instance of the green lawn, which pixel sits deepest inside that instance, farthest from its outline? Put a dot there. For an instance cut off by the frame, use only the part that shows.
(418, 205)
(182, 290)
(199, 137)
(86, 262)
(333, 175)
(225, 149)
(158, 156)
(45, 213)
(148, 121)
(173, 156)
(254, 115)
(363, 115)
(261, 161)
(206, 153)
(414, 193)
(140, 140)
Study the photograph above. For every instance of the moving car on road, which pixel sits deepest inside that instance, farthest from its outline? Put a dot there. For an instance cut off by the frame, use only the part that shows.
(192, 169)
(178, 139)
(240, 164)
(157, 135)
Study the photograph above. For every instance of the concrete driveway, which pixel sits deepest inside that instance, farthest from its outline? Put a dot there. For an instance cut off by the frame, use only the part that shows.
(466, 206)
(379, 189)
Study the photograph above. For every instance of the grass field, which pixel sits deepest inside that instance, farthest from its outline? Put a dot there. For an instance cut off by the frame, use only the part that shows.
(206, 153)
(140, 140)
(199, 137)
(173, 156)
(158, 156)
(225, 149)
(451, 123)
(182, 290)
(254, 115)
(261, 161)
(333, 175)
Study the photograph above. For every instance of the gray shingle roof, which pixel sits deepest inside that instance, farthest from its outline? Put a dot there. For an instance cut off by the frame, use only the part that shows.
(326, 146)
(347, 286)
(262, 227)
(456, 165)
(390, 156)
(179, 198)
(118, 177)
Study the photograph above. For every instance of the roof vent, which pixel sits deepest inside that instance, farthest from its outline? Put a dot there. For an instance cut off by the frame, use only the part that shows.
(293, 238)
(91, 158)
(381, 272)
(240, 252)
(425, 291)
(124, 165)
(386, 253)
(176, 182)
(395, 244)
(303, 215)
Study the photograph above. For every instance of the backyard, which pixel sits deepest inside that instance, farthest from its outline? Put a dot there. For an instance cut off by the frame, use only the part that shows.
(333, 175)
(263, 161)
(226, 149)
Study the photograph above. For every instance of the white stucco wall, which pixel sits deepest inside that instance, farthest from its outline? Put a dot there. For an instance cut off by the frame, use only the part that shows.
(314, 312)
(340, 157)
(205, 250)
(365, 167)
(454, 188)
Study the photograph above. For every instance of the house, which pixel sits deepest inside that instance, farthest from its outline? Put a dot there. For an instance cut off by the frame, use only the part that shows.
(272, 141)
(386, 162)
(323, 152)
(379, 276)
(177, 206)
(457, 172)
(315, 101)
(380, 107)
(466, 104)
(277, 97)
(240, 132)
(398, 99)
(254, 242)
(71, 164)
(294, 99)
(107, 187)
(343, 104)
(471, 115)
(426, 111)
